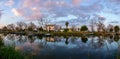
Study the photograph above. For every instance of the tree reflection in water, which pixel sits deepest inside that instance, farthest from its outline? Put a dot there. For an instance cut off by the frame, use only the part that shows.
(66, 41)
(32, 45)
(116, 38)
(84, 39)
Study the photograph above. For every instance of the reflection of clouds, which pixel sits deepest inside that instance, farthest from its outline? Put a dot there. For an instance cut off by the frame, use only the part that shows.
(31, 48)
(49, 44)
(9, 40)
(50, 39)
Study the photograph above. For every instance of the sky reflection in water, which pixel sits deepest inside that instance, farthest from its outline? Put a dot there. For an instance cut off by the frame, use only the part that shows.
(66, 47)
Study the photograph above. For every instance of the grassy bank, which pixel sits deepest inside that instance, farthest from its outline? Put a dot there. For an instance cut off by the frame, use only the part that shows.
(73, 33)
(7, 52)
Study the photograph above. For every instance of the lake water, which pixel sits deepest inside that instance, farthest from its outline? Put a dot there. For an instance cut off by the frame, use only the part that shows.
(89, 47)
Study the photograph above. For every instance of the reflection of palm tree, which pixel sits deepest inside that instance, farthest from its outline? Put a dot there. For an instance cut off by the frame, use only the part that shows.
(66, 41)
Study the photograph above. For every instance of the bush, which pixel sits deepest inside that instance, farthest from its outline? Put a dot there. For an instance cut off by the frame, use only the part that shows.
(66, 30)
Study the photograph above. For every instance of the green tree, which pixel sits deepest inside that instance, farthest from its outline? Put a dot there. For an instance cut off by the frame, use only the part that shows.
(116, 28)
(66, 23)
(84, 28)
(111, 29)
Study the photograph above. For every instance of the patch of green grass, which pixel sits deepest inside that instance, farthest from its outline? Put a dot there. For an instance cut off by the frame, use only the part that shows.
(10, 53)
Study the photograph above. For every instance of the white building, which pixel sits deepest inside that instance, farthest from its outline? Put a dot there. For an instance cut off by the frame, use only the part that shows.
(50, 27)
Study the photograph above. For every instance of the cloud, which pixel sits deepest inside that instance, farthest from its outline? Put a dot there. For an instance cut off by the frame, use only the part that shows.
(30, 3)
(9, 3)
(76, 2)
(17, 12)
(31, 10)
(29, 14)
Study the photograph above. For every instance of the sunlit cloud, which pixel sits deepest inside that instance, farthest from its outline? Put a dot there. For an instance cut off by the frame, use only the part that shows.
(81, 9)
(17, 12)
(76, 2)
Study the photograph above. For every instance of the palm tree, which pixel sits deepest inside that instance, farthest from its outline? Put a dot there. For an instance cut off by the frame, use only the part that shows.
(67, 23)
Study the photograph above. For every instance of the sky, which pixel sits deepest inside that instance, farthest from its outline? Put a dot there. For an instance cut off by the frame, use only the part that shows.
(76, 12)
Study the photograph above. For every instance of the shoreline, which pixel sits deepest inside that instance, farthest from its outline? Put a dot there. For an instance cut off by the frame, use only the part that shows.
(61, 33)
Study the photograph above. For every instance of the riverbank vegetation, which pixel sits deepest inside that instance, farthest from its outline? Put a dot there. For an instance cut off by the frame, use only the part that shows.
(7, 52)
(94, 28)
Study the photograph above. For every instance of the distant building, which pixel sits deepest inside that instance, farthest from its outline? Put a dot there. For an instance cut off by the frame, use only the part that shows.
(53, 27)
(50, 27)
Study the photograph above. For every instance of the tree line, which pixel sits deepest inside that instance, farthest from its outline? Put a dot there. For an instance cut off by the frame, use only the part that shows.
(95, 24)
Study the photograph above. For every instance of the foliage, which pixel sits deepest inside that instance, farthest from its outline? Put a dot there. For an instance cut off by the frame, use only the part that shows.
(9, 53)
(66, 30)
(116, 28)
(66, 23)
(67, 33)
(84, 28)
(111, 30)
(40, 29)
(84, 39)
(1, 43)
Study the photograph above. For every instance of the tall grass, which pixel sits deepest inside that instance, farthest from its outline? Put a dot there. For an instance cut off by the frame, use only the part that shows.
(10, 53)
(7, 52)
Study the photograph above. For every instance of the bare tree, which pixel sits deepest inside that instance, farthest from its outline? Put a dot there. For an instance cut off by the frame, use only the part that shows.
(92, 24)
(73, 28)
(11, 26)
(4, 28)
(31, 26)
(43, 22)
(110, 28)
(21, 25)
(100, 23)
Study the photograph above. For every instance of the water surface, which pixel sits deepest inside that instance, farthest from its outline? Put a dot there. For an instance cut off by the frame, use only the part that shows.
(89, 47)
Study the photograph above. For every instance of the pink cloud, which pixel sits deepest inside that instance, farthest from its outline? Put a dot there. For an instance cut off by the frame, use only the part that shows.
(31, 10)
(76, 2)
(17, 12)
(10, 3)
(29, 14)
(30, 3)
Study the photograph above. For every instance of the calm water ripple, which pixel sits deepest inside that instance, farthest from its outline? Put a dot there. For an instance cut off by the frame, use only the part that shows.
(87, 47)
